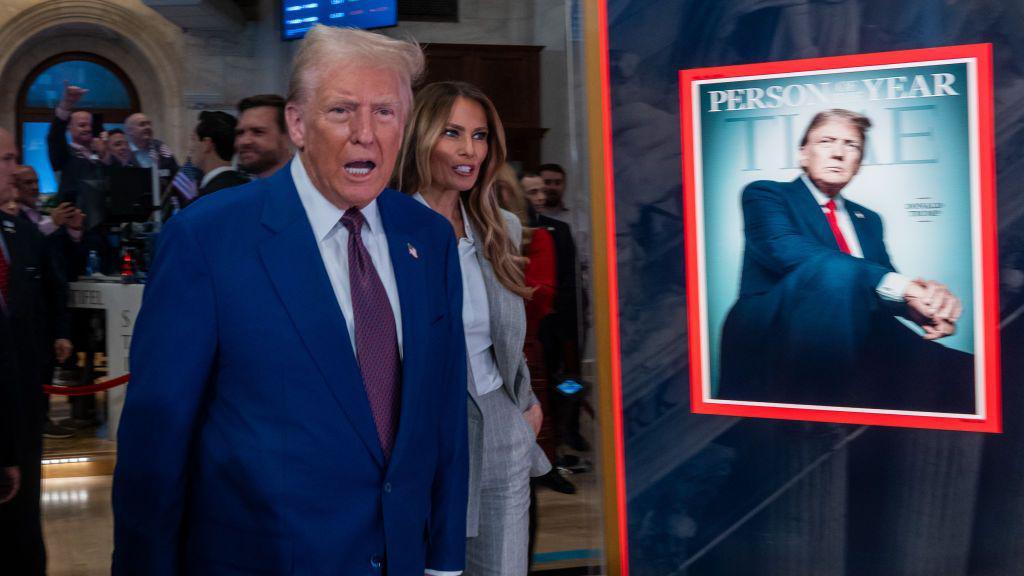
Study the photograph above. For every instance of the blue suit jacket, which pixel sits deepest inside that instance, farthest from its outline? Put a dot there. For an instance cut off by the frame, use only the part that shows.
(785, 228)
(247, 445)
(792, 270)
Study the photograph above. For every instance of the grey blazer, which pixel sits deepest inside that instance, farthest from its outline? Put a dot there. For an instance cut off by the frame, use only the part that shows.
(508, 333)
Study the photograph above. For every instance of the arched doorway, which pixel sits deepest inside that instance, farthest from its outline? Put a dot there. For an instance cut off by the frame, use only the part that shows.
(111, 98)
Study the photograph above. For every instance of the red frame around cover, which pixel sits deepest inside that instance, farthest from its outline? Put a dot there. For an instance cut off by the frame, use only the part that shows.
(982, 55)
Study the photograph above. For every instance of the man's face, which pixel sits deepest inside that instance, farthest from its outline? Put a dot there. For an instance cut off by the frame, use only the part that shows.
(80, 128)
(533, 186)
(554, 186)
(261, 145)
(8, 162)
(26, 182)
(831, 157)
(349, 131)
(119, 148)
(139, 128)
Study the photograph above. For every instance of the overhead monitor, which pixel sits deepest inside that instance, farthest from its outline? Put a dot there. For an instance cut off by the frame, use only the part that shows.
(298, 16)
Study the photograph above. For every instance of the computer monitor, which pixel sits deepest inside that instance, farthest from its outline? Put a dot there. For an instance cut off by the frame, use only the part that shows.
(298, 16)
(129, 196)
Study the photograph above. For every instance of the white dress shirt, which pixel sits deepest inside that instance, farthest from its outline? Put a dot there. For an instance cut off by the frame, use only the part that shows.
(332, 239)
(893, 285)
(213, 174)
(476, 313)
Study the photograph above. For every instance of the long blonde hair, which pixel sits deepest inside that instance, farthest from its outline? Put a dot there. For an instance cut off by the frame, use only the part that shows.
(433, 105)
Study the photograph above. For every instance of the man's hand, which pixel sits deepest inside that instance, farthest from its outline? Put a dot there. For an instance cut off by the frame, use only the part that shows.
(72, 94)
(99, 147)
(77, 219)
(933, 307)
(63, 214)
(10, 482)
(62, 348)
(534, 417)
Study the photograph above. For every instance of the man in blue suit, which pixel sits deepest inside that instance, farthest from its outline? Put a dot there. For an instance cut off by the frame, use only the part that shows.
(297, 402)
(815, 322)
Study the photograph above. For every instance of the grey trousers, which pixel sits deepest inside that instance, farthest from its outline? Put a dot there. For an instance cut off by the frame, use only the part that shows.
(501, 547)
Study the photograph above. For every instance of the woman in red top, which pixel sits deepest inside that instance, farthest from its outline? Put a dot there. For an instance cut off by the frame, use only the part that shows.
(538, 246)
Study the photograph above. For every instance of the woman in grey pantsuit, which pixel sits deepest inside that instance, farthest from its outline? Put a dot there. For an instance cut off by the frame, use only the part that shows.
(453, 146)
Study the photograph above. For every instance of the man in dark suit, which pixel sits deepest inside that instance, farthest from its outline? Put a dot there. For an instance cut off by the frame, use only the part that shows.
(33, 297)
(815, 322)
(211, 148)
(298, 394)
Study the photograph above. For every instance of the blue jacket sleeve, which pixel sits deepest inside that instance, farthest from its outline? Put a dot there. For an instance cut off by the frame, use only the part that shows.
(447, 546)
(774, 241)
(173, 350)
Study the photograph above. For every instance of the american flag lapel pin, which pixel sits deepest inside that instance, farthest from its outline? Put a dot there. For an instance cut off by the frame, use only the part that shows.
(858, 214)
(412, 251)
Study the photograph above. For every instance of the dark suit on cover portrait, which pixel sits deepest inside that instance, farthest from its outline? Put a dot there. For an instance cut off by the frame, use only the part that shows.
(808, 326)
(247, 443)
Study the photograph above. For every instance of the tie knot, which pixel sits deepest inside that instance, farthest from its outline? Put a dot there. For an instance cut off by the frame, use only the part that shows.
(353, 220)
(830, 205)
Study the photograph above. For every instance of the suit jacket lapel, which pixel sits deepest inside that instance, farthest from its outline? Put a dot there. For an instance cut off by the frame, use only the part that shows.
(810, 212)
(294, 265)
(409, 276)
(501, 303)
(864, 237)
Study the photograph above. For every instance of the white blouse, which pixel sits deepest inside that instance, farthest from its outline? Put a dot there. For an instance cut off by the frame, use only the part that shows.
(476, 314)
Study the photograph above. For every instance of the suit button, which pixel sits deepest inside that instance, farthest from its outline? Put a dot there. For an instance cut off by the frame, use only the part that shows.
(387, 487)
(376, 562)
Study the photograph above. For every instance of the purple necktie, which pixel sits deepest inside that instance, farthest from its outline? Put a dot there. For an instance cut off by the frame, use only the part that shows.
(376, 335)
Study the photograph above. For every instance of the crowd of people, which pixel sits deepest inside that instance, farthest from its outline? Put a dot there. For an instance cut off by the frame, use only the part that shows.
(346, 246)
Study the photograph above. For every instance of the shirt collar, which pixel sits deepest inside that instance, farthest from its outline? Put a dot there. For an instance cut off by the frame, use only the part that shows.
(820, 197)
(213, 174)
(470, 237)
(324, 216)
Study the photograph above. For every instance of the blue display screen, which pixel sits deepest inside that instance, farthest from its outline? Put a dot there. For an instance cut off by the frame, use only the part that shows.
(298, 16)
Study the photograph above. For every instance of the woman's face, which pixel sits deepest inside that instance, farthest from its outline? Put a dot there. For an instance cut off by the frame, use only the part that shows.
(461, 149)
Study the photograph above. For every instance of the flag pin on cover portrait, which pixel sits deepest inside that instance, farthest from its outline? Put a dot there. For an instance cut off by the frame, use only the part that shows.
(412, 251)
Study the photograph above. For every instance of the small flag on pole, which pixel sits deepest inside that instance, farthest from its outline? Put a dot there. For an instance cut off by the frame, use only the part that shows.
(185, 180)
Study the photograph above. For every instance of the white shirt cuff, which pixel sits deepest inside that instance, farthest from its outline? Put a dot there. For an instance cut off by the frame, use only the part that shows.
(442, 572)
(892, 287)
(46, 226)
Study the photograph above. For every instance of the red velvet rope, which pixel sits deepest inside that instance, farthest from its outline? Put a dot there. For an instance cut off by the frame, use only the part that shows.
(93, 388)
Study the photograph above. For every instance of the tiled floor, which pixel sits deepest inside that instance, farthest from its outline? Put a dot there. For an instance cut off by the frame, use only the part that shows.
(78, 523)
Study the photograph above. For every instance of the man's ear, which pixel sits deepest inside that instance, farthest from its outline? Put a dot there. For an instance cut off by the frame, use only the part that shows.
(206, 145)
(801, 156)
(293, 115)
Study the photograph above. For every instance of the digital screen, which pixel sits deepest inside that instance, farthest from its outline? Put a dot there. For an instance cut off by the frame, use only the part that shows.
(301, 15)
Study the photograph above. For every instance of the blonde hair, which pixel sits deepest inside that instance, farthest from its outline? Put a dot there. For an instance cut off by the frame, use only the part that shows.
(513, 199)
(326, 45)
(430, 114)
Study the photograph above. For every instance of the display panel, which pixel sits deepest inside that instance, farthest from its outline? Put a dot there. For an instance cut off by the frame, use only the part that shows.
(823, 192)
(298, 16)
(707, 494)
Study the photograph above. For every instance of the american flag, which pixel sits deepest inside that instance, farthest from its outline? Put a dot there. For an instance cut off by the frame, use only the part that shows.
(185, 180)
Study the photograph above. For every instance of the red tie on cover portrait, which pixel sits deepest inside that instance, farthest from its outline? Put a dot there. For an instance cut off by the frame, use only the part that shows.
(833, 223)
(376, 334)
